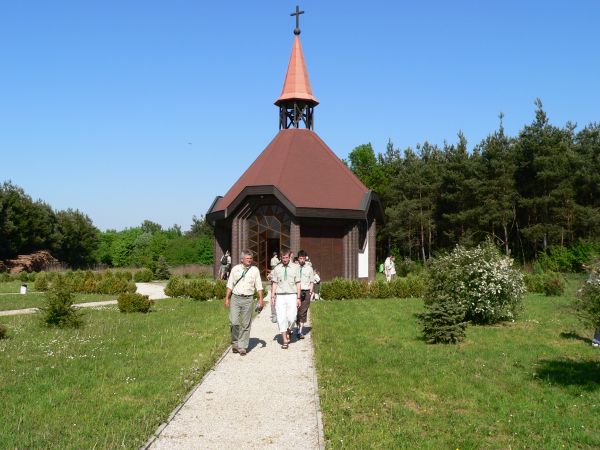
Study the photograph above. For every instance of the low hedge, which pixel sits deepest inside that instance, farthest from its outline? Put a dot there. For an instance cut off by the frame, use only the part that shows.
(87, 282)
(132, 302)
(143, 276)
(196, 288)
(2, 331)
(402, 287)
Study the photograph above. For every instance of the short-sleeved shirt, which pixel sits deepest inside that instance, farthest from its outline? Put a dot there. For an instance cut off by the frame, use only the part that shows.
(274, 261)
(286, 278)
(249, 280)
(306, 276)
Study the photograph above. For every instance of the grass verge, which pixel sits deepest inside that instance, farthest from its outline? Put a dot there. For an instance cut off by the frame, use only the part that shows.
(534, 383)
(108, 384)
(35, 300)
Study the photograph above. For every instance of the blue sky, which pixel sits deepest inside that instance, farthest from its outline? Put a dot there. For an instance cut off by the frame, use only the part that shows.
(133, 110)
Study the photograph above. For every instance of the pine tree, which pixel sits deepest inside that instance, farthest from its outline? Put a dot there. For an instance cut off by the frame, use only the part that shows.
(443, 322)
(496, 190)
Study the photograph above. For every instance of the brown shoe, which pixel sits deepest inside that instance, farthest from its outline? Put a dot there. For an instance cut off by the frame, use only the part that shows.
(242, 351)
(234, 350)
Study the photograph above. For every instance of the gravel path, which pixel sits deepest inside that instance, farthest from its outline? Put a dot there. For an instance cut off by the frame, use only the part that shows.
(155, 291)
(267, 399)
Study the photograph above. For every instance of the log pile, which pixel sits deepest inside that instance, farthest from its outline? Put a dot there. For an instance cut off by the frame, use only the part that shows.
(34, 262)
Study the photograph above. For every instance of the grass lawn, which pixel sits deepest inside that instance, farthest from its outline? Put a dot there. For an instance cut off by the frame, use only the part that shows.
(31, 300)
(534, 383)
(13, 286)
(108, 384)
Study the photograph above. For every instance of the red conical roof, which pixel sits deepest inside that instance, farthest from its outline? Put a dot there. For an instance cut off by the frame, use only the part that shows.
(300, 166)
(296, 85)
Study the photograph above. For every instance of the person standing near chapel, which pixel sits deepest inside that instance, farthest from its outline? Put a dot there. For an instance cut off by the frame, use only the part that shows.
(274, 260)
(239, 298)
(307, 280)
(389, 268)
(286, 296)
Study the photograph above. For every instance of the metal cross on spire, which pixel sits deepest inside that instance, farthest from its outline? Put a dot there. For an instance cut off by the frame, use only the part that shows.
(297, 14)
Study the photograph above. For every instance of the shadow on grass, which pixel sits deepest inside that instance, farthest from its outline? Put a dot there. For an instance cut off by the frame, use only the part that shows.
(568, 372)
(573, 335)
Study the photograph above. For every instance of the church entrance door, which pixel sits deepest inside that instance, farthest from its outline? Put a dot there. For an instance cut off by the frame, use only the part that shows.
(269, 231)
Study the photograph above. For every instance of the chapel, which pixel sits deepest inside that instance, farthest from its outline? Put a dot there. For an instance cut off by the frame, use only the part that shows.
(298, 194)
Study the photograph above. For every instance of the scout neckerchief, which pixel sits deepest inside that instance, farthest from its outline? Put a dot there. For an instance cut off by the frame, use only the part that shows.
(243, 275)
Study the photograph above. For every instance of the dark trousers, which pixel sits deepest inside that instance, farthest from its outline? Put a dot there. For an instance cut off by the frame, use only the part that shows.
(304, 304)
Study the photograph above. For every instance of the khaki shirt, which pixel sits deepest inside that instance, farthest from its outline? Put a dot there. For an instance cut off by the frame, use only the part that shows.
(286, 278)
(248, 281)
(306, 276)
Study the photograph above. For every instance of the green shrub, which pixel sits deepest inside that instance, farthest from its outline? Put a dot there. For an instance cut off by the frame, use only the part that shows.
(4, 277)
(341, 288)
(443, 321)
(563, 259)
(41, 282)
(200, 289)
(481, 280)
(554, 286)
(535, 282)
(2, 331)
(58, 308)
(143, 276)
(133, 302)
(220, 289)
(407, 266)
(587, 301)
(123, 275)
(175, 287)
(412, 286)
(24, 277)
(114, 284)
(379, 289)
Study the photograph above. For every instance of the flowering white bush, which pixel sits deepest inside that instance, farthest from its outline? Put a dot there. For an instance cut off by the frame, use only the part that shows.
(480, 280)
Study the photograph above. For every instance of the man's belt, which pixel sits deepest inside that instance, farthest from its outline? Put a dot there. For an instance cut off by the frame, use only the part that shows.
(285, 293)
(240, 295)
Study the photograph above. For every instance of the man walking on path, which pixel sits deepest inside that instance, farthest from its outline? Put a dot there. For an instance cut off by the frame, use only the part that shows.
(307, 280)
(243, 281)
(286, 296)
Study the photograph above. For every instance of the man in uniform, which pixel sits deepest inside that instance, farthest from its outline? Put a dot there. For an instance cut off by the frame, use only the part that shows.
(307, 280)
(286, 295)
(239, 298)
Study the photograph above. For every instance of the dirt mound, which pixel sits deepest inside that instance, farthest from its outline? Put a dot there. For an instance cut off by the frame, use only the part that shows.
(33, 262)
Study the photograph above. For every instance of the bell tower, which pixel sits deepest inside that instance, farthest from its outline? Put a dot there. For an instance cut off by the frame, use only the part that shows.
(296, 102)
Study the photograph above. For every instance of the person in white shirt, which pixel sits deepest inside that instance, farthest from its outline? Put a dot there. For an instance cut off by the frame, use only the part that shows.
(307, 280)
(286, 296)
(389, 267)
(239, 298)
(274, 260)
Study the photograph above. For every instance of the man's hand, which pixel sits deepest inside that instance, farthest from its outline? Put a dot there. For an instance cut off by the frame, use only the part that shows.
(226, 302)
(261, 303)
(298, 302)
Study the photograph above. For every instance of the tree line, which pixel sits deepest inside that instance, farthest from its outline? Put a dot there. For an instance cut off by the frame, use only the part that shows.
(530, 193)
(70, 236)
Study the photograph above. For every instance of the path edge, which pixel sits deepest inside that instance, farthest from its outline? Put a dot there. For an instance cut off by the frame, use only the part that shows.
(164, 425)
(321, 433)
